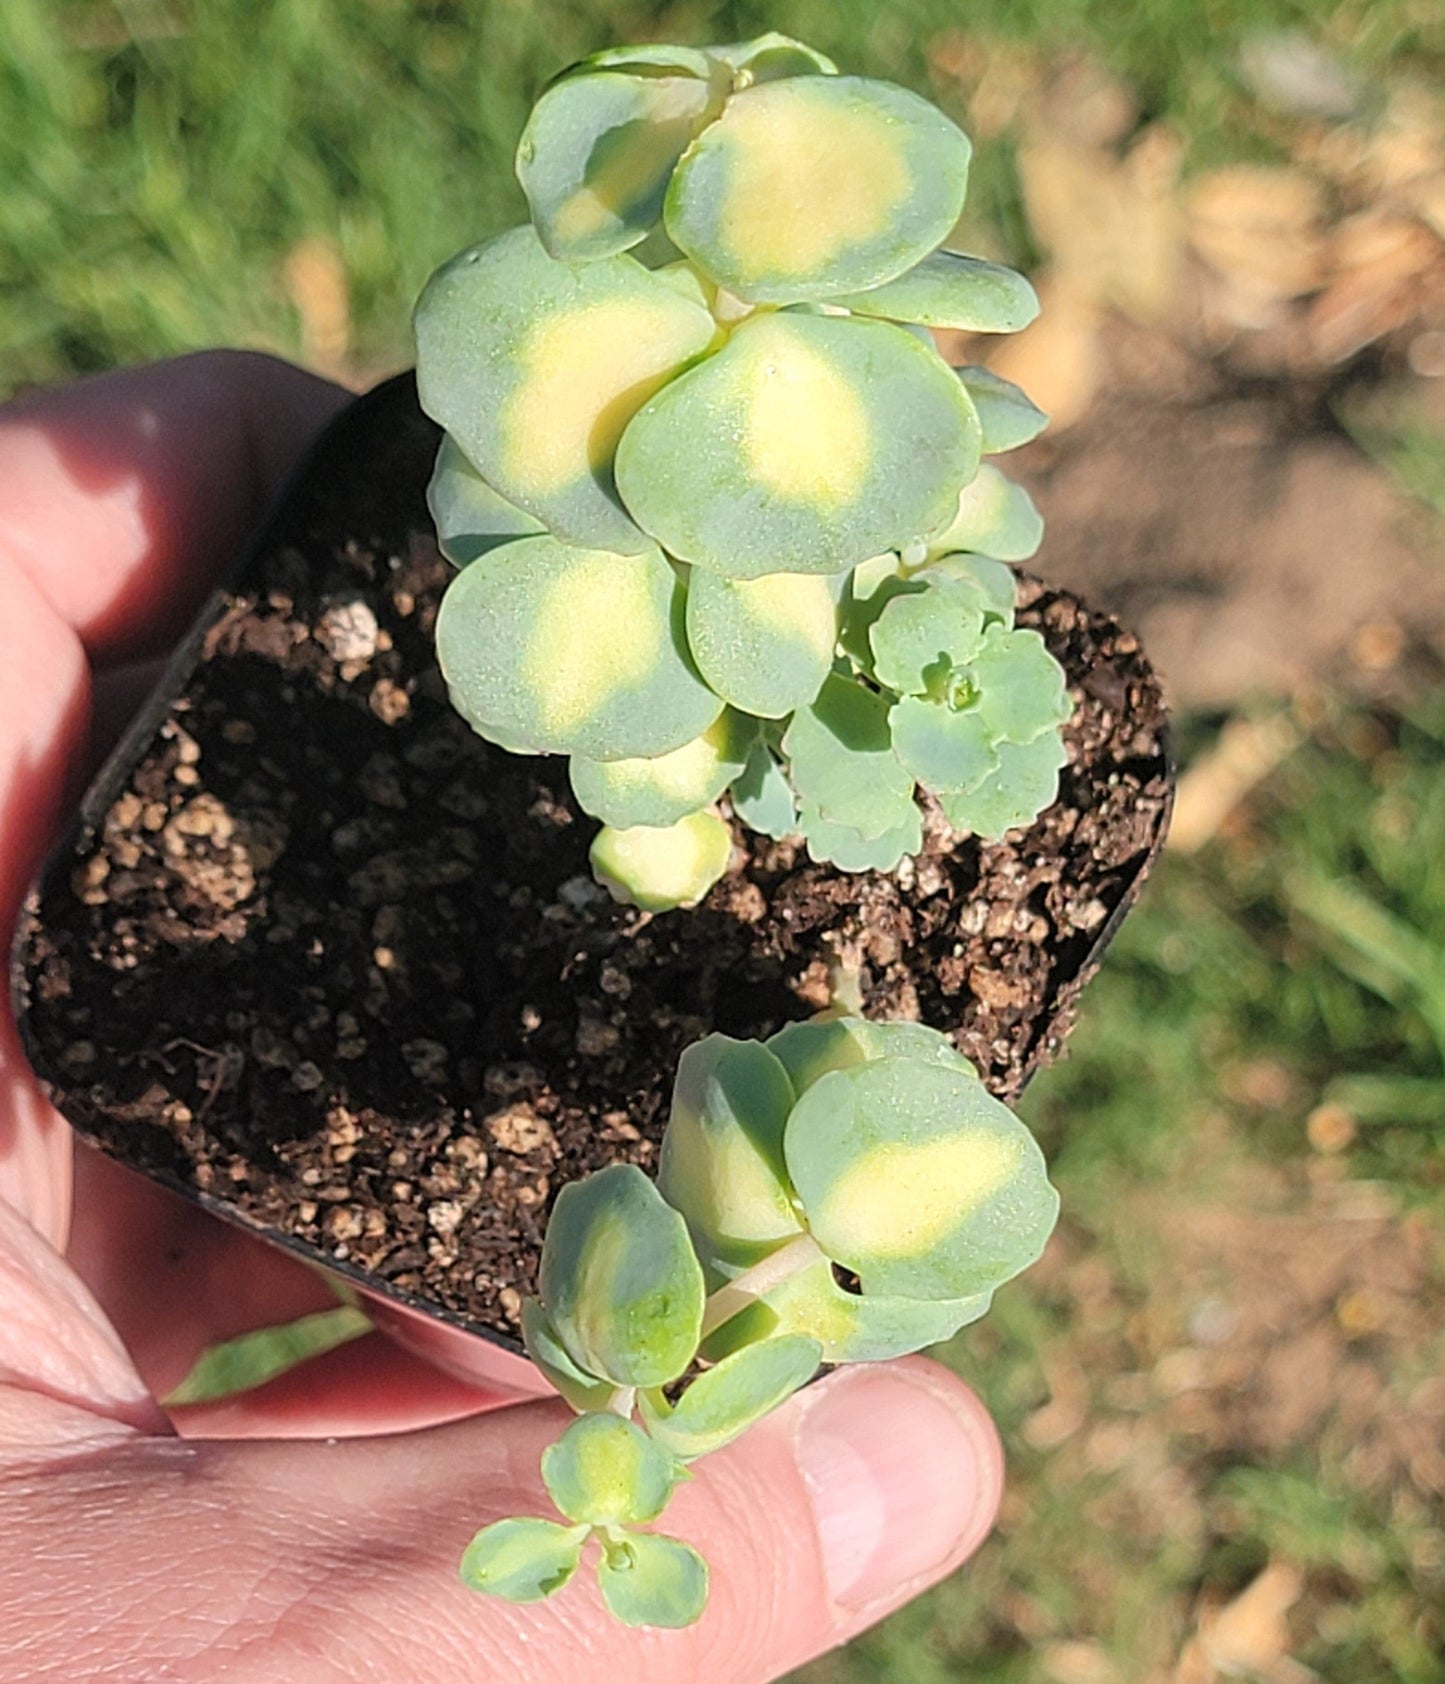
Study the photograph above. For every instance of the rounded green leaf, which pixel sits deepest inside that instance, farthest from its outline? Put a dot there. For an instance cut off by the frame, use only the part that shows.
(469, 516)
(1022, 689)
(762, 797)
(770, 57)
(1008, 416)
(659, 867)
(667, 787)
(806, 445)
(944, 749)
(814, 186)
(1024, 784)
(947, 289)
(619, 1279)
(841, 759)
(599, 150)
(850, 1327)
(994, 517)
(850, 850)
(933, 625)
(550, 1356)
(915, 1177)
(646, 58)
(572, 651)
(766, 644)
(535, 367)
(523, 1560)
(726, 1400)
(995, 581)
(722, 1154)
(649, 1580)
(605, 1471)
(812, 1048)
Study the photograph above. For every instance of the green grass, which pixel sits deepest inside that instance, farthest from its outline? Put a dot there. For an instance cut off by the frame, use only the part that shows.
(162, 157)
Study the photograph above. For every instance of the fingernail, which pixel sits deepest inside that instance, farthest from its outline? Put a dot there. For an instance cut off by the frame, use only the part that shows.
(903, 1470)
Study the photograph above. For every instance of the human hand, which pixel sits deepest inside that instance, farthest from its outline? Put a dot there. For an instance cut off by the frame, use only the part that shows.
(240, 1551)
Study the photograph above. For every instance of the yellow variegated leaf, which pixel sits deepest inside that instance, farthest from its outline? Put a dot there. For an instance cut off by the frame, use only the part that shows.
(659, 867)
(765, 644)
(667, 787)
(814, 186)
(535, 367)
(949, 290)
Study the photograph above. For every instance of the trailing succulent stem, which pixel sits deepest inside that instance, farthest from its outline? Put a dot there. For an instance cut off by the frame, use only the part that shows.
(718, 505)
(673, 1315)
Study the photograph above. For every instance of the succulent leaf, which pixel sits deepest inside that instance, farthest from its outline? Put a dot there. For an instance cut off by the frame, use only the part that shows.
(946, 289)
(915, 1177)
(721, 1163)
(1008, 416)
(812, 1048)
(762, 797)
(523, 1560)
(850, 1327)
(572, 651)
(815, 186)
(535, 367)
(1026, 782)
(726, 1400)
(650, 1580)
(605, 1471)
(842, 761)
(943, 748)
(646, 58)
(766, 644)
(771, 57)
(599, 150)
(994, 517)
(619, 1279)
(806, 445)
(995, 581)
(1022, 689)
(662, 789)
(469, 516)
(659, 867)
(850, 850)
(550, 1356)
(924, 633)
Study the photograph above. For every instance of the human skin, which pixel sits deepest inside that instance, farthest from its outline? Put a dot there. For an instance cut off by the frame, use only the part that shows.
(311, 1530)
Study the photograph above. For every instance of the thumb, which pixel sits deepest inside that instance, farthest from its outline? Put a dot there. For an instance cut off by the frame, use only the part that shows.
(337, 1561)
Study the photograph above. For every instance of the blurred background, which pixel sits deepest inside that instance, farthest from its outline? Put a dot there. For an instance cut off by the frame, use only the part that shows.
(1224, 1389)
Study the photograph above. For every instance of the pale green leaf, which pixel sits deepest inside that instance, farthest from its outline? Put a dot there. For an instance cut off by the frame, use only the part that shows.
(1026, 782)
(762, 797)
(667, 787)
(599, 150)
(931, 626)
(812, 1048)
(535, 367)
(605, 1471)
(523, 1560)
(946, 289)
(944, 749)
(572, 651)
(994, 517)
(1022, 689)
(469, 516)
(1008, 416)
(766, 644)
(251, 1359)
(916, 1178)
(649, 1580)
(721, 1162)
(660, 867)
(995, 581)
(770, 57)
(646, 58)
(841, 760)
(806, 445)
(724, 1401)
(550, 1356)
(619, 1279)
(851, 850)
(814, 186)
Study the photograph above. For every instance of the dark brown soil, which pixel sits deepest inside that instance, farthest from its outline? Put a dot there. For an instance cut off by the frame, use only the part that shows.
(327, 959)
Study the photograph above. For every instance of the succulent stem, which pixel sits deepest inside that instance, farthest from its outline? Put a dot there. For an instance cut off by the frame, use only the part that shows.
(756, 1283)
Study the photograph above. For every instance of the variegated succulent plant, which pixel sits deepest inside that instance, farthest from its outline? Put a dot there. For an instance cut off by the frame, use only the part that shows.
(674, 1315)
(717, 502)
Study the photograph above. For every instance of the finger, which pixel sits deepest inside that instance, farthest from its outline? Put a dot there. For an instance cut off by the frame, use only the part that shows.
(125, 497)
(172, 1280)
(338, 1563)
